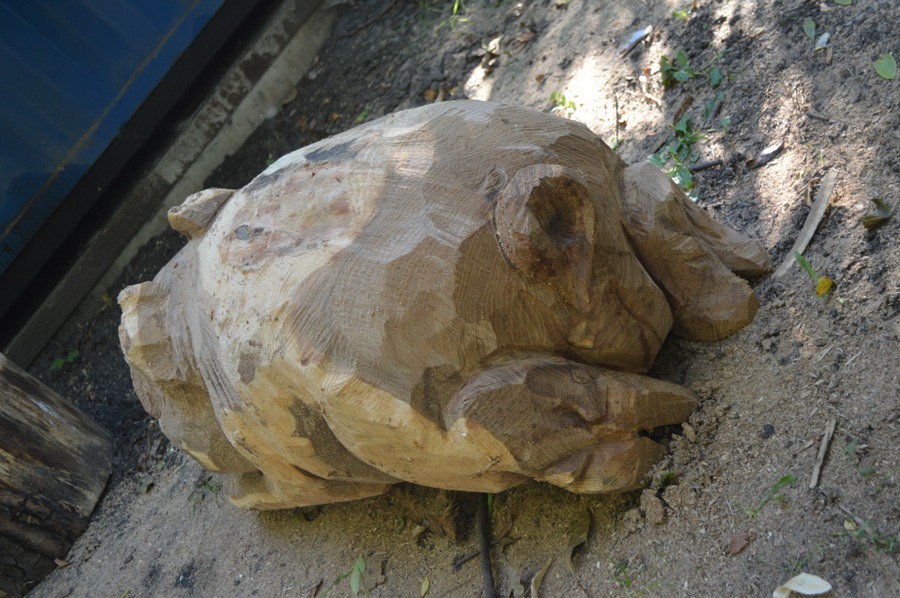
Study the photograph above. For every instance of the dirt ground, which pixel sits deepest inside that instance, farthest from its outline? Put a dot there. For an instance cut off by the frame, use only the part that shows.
(729, 511)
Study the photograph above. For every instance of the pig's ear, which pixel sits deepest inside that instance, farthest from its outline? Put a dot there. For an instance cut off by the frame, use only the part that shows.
(195, 215)
(545, 223)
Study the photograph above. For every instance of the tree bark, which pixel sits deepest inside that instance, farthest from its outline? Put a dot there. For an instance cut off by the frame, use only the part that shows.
(54, 463)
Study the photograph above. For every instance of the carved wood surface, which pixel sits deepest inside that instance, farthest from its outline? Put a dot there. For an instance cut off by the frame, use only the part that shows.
(463, 295)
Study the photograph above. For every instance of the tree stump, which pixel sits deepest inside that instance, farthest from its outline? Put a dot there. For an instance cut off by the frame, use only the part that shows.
(54, 463)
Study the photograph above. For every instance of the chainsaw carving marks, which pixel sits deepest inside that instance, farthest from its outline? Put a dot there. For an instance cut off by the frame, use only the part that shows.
(450, 295)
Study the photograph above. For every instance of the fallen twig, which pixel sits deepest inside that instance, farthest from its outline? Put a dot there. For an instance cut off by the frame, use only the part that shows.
(823, 448)
(484, 541)
(766, 156)
(826, 187)
(714, 111)
(704, 165)
(818, 116)
(685, 104)
(804, 447)
(636, 38)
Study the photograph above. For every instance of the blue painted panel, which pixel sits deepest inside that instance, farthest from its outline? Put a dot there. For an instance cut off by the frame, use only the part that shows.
(72, 73)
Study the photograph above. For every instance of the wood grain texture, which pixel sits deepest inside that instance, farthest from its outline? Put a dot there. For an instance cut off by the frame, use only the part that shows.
(412, 300)
(54, 463)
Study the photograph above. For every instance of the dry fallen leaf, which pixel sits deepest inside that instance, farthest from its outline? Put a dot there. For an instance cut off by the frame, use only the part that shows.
(578, 535)
(538, 578)
(767, 155)
(430, 95)
(803, 584)
(513, 580)
(61, 563)
(738, 543)
(882, 213)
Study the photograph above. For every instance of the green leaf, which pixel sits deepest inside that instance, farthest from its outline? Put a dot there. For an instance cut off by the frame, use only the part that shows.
(356, 575)
(57, 364)
(682, 59)
(881, 214)
(886, 66)
(424, 587)
(716, 76)
(682, 176)
(72, 356)
(809, 28)
(667, 479)
(804, 263)
(665, 71)
(656, 159)
(578, 535)
(788, 480)
(844, 2)
(681, 15)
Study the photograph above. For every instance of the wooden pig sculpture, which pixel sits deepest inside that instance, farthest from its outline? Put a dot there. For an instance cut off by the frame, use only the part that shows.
(463, 296)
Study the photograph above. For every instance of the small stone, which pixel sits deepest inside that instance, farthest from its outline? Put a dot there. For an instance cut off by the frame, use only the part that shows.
(653, 507)
(632, 520)
(680, 496)
(688, 432)
(767, 431)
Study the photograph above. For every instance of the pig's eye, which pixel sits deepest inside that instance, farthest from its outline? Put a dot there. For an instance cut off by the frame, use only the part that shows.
(543, 213)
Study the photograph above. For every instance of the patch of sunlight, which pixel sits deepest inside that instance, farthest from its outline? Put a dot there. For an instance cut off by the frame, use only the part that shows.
(478, 86)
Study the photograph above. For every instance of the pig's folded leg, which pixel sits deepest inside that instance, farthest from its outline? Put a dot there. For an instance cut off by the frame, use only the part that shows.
(576, 426)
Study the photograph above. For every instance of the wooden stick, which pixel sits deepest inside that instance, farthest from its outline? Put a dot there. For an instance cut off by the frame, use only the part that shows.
(826, 187)
(704, 165)
(636, 38)
(823, 448)
(484, 540)
(685, 104)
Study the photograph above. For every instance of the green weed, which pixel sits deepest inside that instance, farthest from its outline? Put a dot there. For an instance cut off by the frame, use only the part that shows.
(455, 17)
(823, 283)
(203, 489)
(621, 575)
(866, 473)
(680, 70)
(677, 71)
(562, 103)
(356, 575)
(59, 362)
(866, 533)
(772, 494)
(675, 155)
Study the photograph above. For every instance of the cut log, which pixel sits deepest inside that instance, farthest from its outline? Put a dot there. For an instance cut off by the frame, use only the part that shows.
(54, 463)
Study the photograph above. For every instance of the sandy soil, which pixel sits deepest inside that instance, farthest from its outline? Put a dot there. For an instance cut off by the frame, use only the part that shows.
(738, 473)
